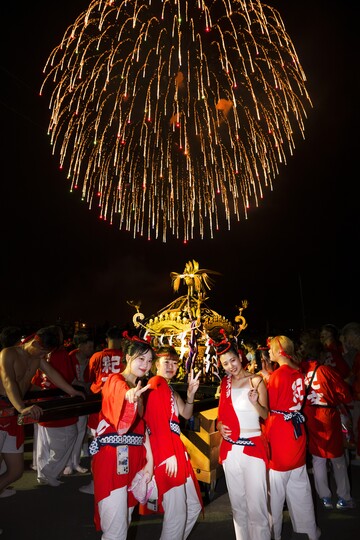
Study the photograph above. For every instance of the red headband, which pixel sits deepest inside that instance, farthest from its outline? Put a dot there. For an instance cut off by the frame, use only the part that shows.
(282, 352)
(225, 341)
(165, 354)
(37, 338)
(28, 338)
(136, 338)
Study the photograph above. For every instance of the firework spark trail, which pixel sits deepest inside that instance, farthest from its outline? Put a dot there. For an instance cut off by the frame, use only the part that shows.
(174, 115)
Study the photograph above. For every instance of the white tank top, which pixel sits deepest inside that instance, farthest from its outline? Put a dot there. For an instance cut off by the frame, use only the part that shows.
(247, 415)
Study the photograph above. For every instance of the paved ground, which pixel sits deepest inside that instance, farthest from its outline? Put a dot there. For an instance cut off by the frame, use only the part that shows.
(63, 513)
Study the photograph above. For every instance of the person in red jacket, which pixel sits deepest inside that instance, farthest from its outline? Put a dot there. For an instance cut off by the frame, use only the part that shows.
(56, 438)
(286, 435)
(178, 489)
(121, 446)
(101, 365)
(326, 390)
(333, 349)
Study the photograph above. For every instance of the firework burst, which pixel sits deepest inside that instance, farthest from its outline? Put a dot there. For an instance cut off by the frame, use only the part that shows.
(172, 116)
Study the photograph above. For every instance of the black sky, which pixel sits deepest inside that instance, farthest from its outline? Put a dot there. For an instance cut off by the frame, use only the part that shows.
(293, 259)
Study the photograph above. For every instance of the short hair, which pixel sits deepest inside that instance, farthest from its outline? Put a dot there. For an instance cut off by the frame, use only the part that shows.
(51, 337)
(81, 337)
(114, 332)
(10, 336)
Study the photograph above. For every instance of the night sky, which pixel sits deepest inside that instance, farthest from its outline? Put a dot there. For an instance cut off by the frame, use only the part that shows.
(293, 259)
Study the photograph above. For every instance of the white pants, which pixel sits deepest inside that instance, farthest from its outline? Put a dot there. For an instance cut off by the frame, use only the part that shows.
(81, 427)
(115, 516)
(247, 487)
(294, 486)
(339, 467)
(181, 510)
(54, 446)
(34, 455)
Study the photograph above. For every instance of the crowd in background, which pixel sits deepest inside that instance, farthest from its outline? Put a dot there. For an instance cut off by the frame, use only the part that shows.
(328, 359)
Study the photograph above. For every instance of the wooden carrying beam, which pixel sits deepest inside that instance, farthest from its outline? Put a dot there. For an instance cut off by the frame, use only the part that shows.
(56, 405)
(64, 407)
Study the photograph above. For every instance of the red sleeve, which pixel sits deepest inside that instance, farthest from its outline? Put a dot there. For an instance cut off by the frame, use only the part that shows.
(62, 363)
(335, 389)
(119, 412)
(91, 368)
(226, 413)
(157, 416)
(222, 401)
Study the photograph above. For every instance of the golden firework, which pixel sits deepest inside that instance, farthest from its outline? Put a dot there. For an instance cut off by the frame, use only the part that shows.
(172, 116)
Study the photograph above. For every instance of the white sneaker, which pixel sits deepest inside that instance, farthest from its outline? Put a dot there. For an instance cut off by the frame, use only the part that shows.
(89, 488)
(7, 492)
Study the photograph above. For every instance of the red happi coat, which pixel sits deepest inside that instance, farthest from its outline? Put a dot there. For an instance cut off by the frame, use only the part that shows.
(323, 422)
(227, 415)
(60, 360)
(159, 410)
(116, 416)
(101, 365)
(334, 359)
(286, 391)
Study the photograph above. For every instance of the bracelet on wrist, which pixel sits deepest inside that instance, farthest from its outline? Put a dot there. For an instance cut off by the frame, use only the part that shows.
(189, 402)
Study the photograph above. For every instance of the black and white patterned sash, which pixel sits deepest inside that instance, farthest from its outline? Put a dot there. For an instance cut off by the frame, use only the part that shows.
(242, 441)
(174, 427)
(113, 439)
(296, 418)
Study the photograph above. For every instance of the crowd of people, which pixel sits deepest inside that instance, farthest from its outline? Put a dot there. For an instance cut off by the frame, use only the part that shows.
(281, 403)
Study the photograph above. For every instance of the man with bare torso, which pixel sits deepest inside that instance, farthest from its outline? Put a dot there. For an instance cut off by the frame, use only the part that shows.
(17, 367)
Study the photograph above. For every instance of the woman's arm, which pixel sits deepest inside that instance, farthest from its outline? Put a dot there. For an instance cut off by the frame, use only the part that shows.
(186, 408)
(149, 467)
(258, 396)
